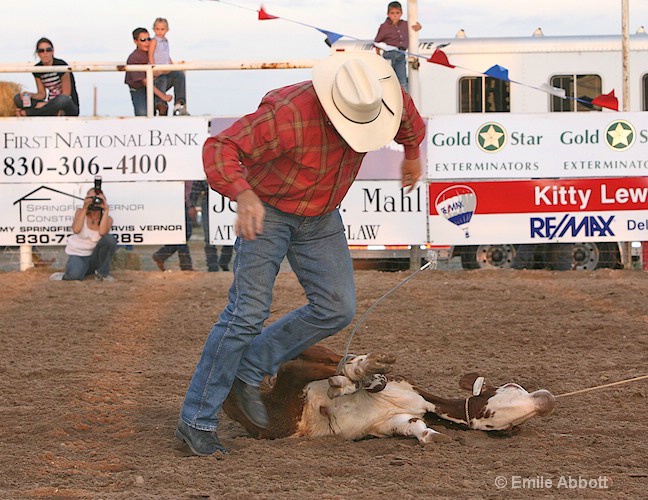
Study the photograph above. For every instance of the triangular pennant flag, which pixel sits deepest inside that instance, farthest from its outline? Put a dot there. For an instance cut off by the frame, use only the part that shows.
(498, 72)
(331, 37)
(553, 90)
(439, 57)
(607, 101)
(263, 15)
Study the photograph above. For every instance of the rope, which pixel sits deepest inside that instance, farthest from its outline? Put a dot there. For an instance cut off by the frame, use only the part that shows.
(602, 386)
(432, 262)
(346, 356)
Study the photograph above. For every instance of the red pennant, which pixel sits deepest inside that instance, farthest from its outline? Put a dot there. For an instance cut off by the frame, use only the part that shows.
(263, 15)
(607, 101)
(439, 57)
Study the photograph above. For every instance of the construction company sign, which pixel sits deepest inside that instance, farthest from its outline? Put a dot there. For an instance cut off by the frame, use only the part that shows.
(66, 149)
(539, 211)
(145, 213)
(523, 146)
(374, 213)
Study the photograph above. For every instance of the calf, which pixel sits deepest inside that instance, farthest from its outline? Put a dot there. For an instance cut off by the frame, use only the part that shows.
(307, 397)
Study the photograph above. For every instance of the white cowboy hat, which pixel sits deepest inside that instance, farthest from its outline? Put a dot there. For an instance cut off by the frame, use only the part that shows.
(361, 97)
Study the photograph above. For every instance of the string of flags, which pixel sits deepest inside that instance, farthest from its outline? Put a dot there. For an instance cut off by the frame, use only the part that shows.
(439, 57)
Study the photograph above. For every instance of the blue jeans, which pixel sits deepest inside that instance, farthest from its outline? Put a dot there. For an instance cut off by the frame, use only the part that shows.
(138, 97)
(211, 252)
(78, 267)
(238, 345)
(61, 102)
(175, 79)
(399, 63)
(214, 262)
(184, 254)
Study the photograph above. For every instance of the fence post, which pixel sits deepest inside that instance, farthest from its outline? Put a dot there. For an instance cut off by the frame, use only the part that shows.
(415, 257)
(150, 85)
(26, 257)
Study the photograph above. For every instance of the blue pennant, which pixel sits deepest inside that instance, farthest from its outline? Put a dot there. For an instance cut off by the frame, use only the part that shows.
(498, 72)
(331, 37)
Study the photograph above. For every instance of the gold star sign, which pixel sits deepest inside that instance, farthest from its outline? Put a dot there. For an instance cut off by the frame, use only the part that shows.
(619, 135)
(491, 137)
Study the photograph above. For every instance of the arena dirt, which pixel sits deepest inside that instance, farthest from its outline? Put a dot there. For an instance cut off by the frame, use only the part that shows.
(92, 376)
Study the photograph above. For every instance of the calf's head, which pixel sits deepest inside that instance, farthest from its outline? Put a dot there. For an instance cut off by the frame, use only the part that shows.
(500, 408)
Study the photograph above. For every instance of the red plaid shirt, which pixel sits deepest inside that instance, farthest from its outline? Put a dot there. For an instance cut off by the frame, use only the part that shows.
(291, 156)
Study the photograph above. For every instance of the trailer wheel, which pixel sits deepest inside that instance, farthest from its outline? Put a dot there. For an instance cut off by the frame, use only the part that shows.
(487, 256)
(588, 256)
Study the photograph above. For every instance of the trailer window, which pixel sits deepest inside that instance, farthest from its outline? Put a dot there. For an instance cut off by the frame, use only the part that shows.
(483, 94)
(644, 92)
(585, 87)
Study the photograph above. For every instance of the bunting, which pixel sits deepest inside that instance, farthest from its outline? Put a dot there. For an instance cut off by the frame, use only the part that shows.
(331, 37)
(607, 101)
(439, 57)
(264, 16)
(498, 72)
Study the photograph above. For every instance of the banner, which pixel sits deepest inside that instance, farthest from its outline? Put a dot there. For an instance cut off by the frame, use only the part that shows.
(150, 213)
(539, 211)
(374, 213)
(66, 149)
(523, 146)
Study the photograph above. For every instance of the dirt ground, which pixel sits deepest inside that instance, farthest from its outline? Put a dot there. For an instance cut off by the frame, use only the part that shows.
(92, 376)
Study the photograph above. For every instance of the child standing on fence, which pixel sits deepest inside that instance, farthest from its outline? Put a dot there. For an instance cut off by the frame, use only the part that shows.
(394, 32)
(159, 53)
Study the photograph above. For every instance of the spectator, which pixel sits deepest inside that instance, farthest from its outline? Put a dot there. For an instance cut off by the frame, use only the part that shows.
(288, 165)
(159, 53)
(200, 193)
(184, 255)
(136, 80)
(56, 93)
(90, 248)
(394, 32)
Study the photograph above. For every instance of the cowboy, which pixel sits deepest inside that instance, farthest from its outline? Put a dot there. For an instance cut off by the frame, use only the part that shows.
(288, 165)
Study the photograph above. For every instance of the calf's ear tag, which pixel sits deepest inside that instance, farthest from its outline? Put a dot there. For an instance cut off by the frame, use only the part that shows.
(477, 386)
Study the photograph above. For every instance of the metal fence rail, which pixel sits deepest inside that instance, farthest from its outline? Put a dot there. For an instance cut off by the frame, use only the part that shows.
(81, 67)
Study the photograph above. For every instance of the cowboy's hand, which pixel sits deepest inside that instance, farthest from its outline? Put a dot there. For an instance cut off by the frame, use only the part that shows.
(249, 215)
(411, 172)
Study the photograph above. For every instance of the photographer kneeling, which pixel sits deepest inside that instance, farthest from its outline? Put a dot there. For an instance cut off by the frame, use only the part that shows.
(90, 248)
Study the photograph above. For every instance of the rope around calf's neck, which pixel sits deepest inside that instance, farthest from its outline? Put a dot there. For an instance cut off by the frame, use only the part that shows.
(467, 411)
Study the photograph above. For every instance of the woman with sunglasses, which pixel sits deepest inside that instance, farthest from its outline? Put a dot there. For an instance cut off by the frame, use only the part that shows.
(56, 93)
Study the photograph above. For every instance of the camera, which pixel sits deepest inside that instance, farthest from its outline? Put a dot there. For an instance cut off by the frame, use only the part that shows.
(96, 203)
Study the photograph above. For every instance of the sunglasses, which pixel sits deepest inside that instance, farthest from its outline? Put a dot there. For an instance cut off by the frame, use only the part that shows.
(145, 39)
(48, 49)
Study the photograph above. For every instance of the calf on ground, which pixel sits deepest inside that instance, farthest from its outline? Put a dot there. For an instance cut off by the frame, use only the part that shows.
(307, 397)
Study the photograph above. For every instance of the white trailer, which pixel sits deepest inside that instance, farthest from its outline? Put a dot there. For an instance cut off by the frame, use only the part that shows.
(584, 67)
